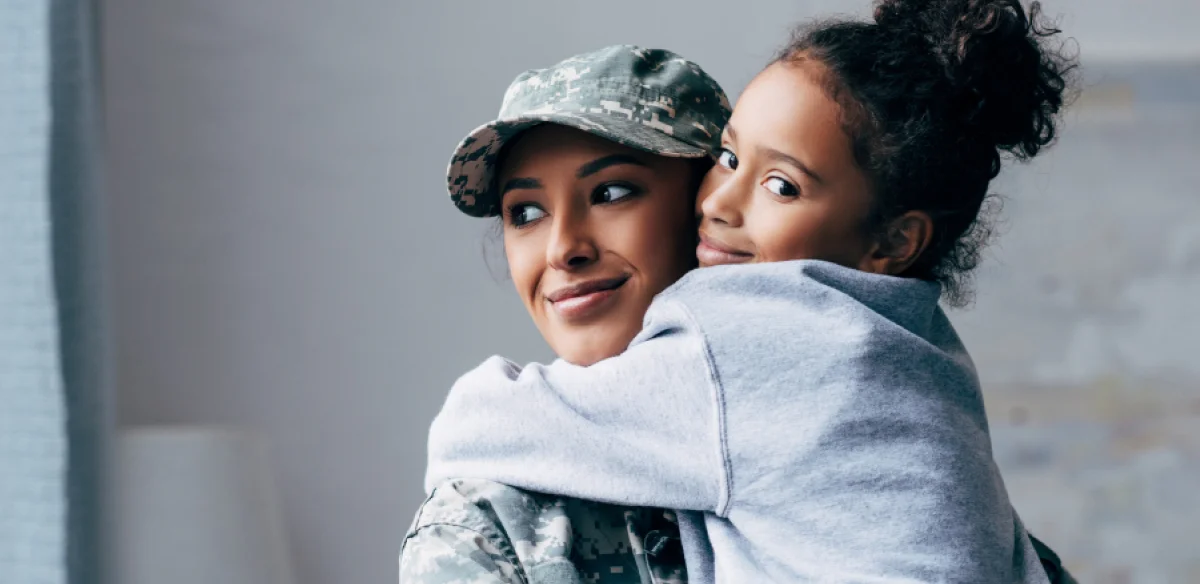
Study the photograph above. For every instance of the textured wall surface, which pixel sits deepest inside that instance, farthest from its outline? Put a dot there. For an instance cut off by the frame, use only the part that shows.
(1087, 328)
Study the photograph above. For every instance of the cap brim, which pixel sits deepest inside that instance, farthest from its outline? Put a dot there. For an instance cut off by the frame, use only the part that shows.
(473, 165)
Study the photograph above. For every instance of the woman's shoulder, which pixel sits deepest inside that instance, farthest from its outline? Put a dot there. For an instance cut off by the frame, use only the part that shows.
(456, 537)
(516, 534)
(470, 504)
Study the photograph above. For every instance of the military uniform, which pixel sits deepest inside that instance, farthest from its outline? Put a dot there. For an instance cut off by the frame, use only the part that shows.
(475, 531)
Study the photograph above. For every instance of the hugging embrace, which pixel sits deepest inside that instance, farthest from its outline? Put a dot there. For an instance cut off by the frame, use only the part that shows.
(756, 381)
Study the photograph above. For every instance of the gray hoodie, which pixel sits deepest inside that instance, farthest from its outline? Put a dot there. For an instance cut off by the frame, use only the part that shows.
(813, 423)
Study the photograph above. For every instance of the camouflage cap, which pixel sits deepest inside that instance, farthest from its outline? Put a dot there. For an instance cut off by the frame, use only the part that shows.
(649, 99)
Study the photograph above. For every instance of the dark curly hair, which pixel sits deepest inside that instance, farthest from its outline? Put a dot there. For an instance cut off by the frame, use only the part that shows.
(932, 93)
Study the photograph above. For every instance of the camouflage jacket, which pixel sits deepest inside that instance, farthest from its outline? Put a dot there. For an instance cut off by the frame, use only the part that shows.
(477, 532)
(481, 532)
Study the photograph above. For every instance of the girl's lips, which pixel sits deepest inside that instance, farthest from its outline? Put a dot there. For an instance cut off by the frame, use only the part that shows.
(712, 252)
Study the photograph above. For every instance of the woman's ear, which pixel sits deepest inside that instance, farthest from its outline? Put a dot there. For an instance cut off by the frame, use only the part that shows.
(900, 244)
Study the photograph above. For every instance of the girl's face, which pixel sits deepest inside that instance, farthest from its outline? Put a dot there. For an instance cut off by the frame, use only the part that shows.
(785, 185)
(593, 231)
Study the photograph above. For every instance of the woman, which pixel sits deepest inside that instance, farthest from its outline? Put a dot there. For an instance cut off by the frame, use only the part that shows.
(597, 161)
(816, 405)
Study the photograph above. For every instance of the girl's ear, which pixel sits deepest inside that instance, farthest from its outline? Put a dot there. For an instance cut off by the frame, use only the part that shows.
(901, 243)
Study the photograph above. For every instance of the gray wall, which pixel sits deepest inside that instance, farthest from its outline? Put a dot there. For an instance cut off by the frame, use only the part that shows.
(284, 257)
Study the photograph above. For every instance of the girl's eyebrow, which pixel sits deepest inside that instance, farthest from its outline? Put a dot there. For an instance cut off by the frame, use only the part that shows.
(784, 157)
(779, 156)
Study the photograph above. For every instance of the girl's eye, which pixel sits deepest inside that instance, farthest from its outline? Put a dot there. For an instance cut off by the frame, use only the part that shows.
(523, 214)
(611, 193)
(727, 159)
(781, 187)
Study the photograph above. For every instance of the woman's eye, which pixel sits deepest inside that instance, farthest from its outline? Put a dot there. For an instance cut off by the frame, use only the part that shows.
(611, 193)
(727, 159)
(523, 214)
(781, 187)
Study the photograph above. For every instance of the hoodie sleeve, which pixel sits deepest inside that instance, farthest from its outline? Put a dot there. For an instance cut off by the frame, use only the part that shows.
(642, 428)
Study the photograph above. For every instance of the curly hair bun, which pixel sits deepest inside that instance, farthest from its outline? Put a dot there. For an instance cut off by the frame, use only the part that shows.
(1005, 87)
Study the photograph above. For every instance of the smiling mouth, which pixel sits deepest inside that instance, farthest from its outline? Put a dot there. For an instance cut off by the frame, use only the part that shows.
(585, 288)
(713, 252)
(586, 299)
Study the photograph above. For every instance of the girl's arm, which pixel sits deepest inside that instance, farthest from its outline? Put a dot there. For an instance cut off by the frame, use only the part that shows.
(642, 428)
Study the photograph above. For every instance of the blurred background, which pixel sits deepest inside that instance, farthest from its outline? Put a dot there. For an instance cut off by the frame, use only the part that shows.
(282, 257)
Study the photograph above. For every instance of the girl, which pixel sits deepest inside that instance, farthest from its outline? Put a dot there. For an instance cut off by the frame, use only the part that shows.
(816, 406)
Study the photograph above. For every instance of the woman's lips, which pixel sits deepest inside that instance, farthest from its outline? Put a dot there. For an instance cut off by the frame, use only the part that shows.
(584, 300)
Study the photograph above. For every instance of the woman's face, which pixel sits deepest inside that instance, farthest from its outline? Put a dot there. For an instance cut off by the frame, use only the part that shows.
(785, 185)
(593, 231)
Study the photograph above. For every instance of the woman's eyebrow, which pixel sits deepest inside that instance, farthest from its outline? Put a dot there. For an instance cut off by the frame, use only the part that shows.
(606, 161)
(521, 183)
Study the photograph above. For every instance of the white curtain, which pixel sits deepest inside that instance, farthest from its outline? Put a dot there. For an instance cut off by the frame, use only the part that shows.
(52, 379)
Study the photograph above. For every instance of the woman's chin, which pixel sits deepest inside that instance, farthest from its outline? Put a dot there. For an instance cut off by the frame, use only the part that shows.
(590, 349)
